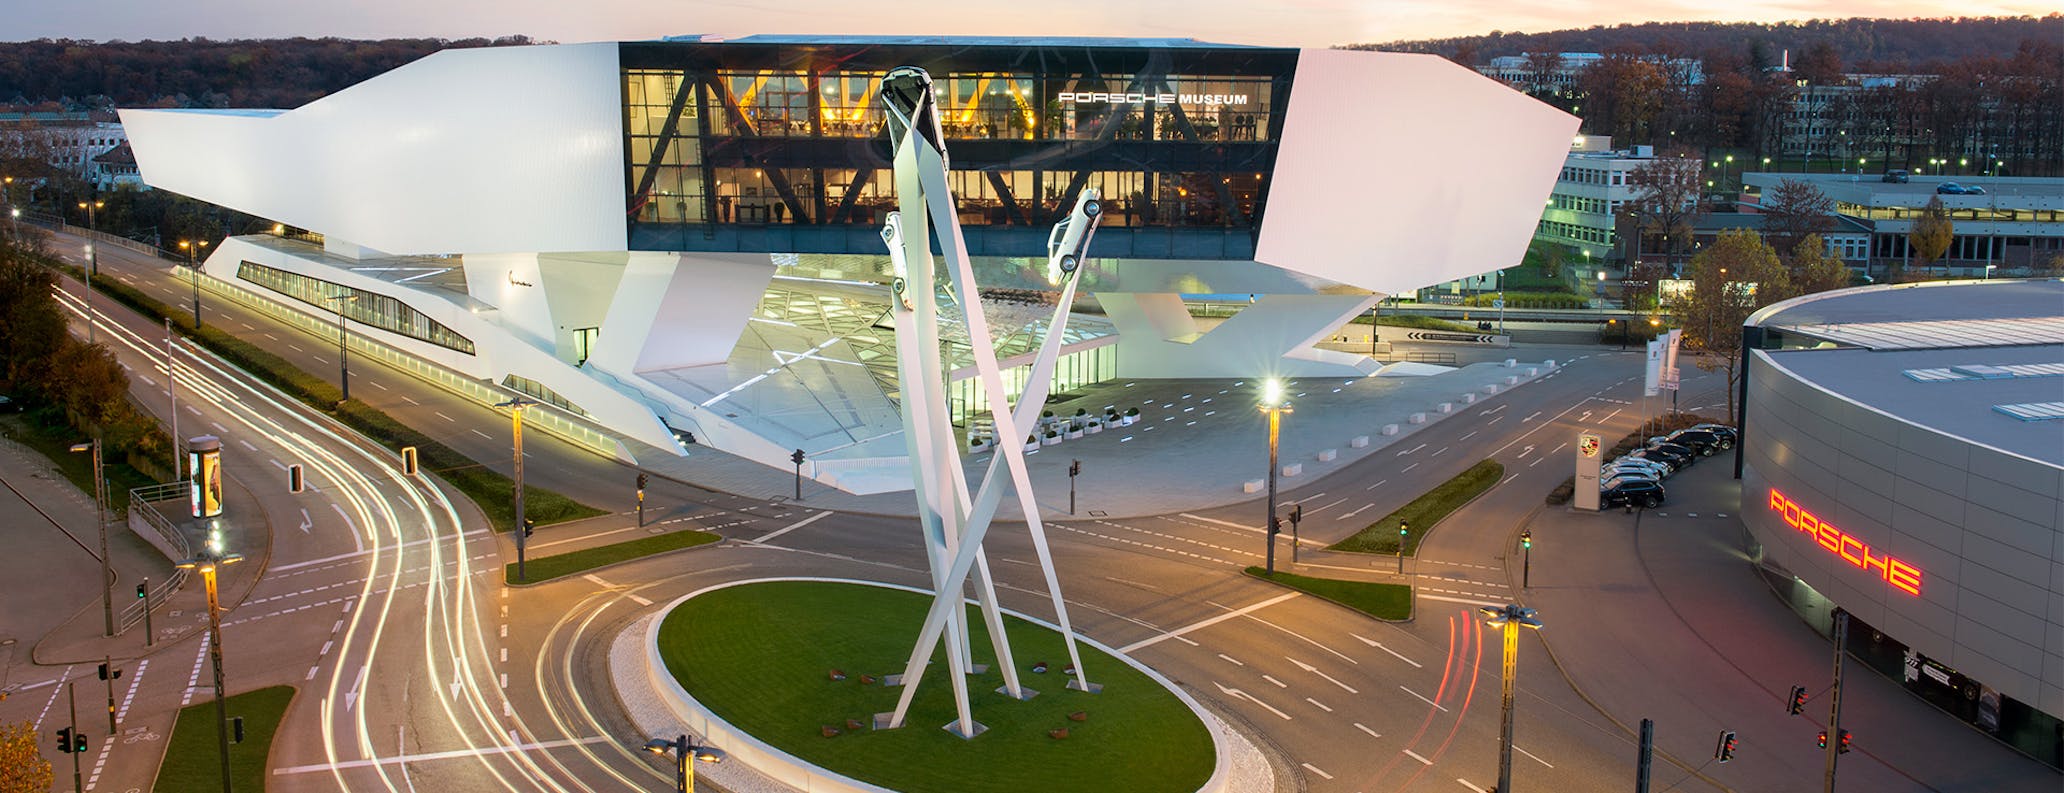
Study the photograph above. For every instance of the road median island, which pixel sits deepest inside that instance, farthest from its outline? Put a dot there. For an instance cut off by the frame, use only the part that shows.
(487, 488)
(1389, 602)
(193, 757)
(540, 569)
(1423, 513)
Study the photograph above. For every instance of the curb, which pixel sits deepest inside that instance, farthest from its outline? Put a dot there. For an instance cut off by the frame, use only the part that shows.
(1412, 602)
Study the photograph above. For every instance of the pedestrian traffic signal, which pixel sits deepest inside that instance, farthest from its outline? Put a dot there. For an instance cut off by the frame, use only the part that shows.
(1843, 746)
(1526, 539)
(1074, 468)
(641, 481)
(236, 729)
(142, 591)
(1725, 750)
(107, 673)
(64, 740)
(1797, 704)
(528, 527)
(797, 457)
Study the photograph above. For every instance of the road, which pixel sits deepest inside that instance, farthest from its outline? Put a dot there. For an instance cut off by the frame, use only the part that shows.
(426, 673)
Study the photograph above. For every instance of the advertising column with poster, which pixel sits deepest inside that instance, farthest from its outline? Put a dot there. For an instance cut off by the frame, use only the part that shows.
(1586, 495)
(204, 491)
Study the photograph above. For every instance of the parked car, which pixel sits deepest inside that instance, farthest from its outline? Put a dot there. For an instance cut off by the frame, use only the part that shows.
(1949, 188)
(1624, 476)
(1701, 441)
(1639, 492)
(1898, 175)
(1652, 468)
(1677, 460)
(1689, 454)
(1661, 466)
(1723, 429)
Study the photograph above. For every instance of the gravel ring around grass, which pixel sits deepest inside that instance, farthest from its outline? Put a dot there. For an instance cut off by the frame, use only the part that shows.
(759, 655)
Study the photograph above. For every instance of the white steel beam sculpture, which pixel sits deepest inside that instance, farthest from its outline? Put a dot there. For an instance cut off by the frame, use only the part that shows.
(954, 524)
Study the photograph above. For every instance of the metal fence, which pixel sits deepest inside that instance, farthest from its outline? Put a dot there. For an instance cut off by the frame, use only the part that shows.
(143, 504)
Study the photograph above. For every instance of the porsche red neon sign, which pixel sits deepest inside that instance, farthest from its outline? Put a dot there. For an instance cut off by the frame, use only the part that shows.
(1902, 576)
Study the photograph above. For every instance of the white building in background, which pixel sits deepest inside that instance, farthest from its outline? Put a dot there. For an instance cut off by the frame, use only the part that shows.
(1538, 73)
(682, 236)
(1584, 209)
(68, 141)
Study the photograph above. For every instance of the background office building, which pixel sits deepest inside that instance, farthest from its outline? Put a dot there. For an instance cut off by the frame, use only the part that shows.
(1903, 460)
(682, 236)
(2016, 224)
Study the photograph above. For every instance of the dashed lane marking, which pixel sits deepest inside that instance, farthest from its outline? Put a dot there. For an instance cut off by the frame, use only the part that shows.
(1415, 755)
(1372, 733)
(1277, 683)
(1322, 706)
(1537, 759)
(1427, 701)
(1315, 769)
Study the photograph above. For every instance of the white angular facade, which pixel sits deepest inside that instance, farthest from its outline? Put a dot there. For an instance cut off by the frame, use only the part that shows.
(681, 236)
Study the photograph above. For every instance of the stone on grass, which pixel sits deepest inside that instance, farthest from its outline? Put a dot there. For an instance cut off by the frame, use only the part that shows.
(1080, 715)
(837, 674)
(828, 731)
(1057, 734)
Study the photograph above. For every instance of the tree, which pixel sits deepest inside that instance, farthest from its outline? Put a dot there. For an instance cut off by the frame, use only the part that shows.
(1813, 270)
(1820, 64)
(22, 767)
(1666, 200)
(30, 325)
(1731, 278)
(1931, 234)
(1794, 210)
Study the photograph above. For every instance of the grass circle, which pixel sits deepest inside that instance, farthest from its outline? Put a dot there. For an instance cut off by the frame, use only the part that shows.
(760, 656)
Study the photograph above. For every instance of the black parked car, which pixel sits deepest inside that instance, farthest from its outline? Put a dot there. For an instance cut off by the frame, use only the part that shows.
(1673, 455)
(1704, 442)
(1639, 492)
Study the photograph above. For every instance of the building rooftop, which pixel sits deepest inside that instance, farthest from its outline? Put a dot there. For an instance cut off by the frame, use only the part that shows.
(964, 41)
(1952, 357)
(2018, 192)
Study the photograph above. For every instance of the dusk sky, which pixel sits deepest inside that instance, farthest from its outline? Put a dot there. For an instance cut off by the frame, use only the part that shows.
(1289, 22)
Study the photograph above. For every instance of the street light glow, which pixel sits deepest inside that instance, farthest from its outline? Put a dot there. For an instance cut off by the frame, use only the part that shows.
(1272, 392)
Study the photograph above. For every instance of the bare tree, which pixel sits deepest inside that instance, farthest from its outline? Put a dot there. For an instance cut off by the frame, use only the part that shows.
(1666, 200)
(1794, 210)
(1731, 278)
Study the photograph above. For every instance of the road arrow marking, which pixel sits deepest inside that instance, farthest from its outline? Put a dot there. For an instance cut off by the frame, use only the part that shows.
(351, 697)
(1536, 415)
(1315, 670)
(1528, 450)
(306, 522)
(1358, 510)
(1234, 692)
(1583, 418)
(1379, 645)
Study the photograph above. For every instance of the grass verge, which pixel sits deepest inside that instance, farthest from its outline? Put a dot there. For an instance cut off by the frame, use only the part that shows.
(546, 568)
(1416, 321)
(488, 489)
(1382, 601)
(760, 656)
(1423, 512)
(49, 437)
(193, 760)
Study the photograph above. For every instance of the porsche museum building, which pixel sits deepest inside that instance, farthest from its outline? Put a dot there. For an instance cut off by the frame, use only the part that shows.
(1903, 460)
(681, 238)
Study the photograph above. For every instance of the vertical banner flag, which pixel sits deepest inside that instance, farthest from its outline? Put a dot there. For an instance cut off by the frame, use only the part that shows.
(1669, 378)
(1652, 377)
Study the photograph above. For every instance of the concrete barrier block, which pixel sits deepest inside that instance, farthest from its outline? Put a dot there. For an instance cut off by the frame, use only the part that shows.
(1511, 362)
(1548, 364)
(1512, 379)
(1253, 486)
(1293, 469)
(1491, 389)
(1445, 407)
(1360, 441)
(1468, 399)
(1533, 371)
(1418, 418)
(1328, 455)
(1391, 429)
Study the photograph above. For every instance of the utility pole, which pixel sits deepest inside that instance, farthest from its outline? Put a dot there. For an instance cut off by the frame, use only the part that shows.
(522, 529)
(107, 574)
(150, 637)
(208, 561)
(1646, 759)
(70, 736)
(109, 673)
(1834, 728)
(1272, 404)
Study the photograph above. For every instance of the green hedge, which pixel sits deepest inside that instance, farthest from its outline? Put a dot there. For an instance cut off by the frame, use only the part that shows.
(1382, 601)
(1424, 511)
(490, 490)
(1417, 322)
(1530, 300)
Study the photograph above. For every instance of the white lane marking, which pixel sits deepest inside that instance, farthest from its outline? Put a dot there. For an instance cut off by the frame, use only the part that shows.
(306, 521)
(1307, 639)
(1322, 705)
(1372, 733)
(219, 428)
(342, 556)
(1379, 483)
(417, 758)
(1537, 758)
(1234, 692)
(376, 384)
(1494, 421)
(1194, 626)
(1235, 661)
(1278, 683)
(1472, 434)
(1443, 450)
(1536, 462)
(276, 464)
(1415, 756)
(1315, 670)
(636, 598)
(1412, 466)
(479, 433)
(1465, 783)
(1379, 645)
(351, 697)
(1411, 450)
(247, 445)
(1537, 414)
(1358, 510)
(190, 409)
(1228, 524)
(1466, 601)
(1422, 699)
(357, 542)
(1315, 769)
(440, 414)
(791, 527)
(409, 400)
(1329, 506)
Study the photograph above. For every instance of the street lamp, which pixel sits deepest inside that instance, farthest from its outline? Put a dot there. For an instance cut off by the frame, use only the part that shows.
(92, 225)
(192, 247)
(107, 592)
(343, 352)
(1272, 404)
(1510, 618)
(685, 749)
(208, 561)
(516, 407)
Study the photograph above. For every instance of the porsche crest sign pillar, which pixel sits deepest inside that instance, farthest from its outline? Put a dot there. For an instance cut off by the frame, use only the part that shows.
(1588, 455)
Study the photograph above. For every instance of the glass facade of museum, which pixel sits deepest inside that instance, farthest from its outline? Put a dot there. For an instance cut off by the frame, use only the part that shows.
(367, 308)
(783, 147)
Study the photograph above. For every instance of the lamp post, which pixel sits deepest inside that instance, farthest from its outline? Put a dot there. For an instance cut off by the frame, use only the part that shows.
(192, 247)
(93, 226)
(343, 352)
(686, 753)
(1509, 619)
(515, 407)
(107, 592)
(208, 561)
(13, 212)
(1272, 404)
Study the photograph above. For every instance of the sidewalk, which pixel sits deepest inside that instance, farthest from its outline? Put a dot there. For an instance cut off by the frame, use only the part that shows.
(1661, 615)
(1211, 426)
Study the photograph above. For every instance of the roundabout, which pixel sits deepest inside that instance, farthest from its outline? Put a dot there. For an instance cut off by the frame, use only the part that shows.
(785, 676)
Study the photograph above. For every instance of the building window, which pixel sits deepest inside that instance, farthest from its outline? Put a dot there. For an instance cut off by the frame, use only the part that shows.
(371, 309)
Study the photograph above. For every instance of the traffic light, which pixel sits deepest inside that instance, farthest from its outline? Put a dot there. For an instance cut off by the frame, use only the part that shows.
(236, 729)
(1074, 468)
(797, 457)
(142, 591)
(64, 740)
(408, 460)
(1526, 539)
(1822, 740)
(1843, 747)
(79, 742)
(1725, 750)
(641, 481)
(529, 526)
(1797, 704)
(1296, 514)
(295, 482)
